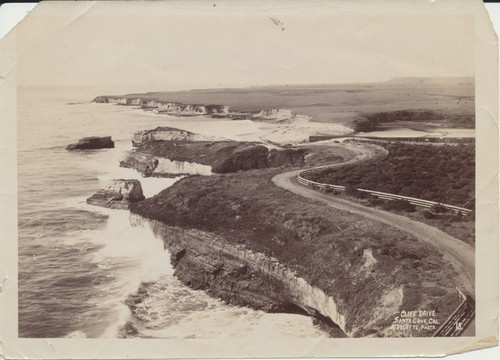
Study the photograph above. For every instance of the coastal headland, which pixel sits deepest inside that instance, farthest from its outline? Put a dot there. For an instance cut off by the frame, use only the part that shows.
(237, 232)
(418, 104)
(240, 238)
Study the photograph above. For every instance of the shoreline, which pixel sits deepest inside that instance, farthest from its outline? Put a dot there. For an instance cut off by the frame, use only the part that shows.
(351, 108)
(275, 126)
(241, 212)
(280, 125)
(194, 253)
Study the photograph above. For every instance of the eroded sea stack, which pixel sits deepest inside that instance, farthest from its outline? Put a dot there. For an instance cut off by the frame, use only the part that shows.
(118, 194)
(92, 142)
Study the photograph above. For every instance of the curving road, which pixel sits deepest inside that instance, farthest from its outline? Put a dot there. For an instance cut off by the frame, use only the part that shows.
(457, 252)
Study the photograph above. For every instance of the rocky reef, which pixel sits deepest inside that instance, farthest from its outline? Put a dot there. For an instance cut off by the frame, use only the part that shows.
(92, 142)
(119, 194)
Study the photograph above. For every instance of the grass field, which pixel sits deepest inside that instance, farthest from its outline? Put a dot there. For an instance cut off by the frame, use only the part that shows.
(444, 174)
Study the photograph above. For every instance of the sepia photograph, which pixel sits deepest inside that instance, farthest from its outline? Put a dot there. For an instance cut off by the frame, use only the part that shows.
(253, 172)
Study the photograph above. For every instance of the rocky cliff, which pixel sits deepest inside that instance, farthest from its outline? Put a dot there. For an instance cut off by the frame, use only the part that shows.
(180, 109)
(118, 194)
(149, 165)
(239, 276)
(145, 164)
(161, 106)
(274, 115)
(164, 133)
(242, 239)
(155, 149)
(155, 159)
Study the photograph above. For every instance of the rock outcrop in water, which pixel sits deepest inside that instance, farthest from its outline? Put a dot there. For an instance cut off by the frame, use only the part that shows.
(118, 195)
(92, 142)
(145, 164)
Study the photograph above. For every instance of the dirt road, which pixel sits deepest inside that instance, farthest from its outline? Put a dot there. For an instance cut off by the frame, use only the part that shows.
(457, 252)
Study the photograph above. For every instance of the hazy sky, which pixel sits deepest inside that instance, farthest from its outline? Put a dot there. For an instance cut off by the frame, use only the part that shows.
(210, 49)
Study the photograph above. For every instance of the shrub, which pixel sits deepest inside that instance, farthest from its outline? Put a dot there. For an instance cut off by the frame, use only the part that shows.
(458, 217)
(428, 215)
(401, 205)
(388, 205)
(438, 208)
(419, 171)
(435, 291)
(352, 190)
(363, 195)
(470, 216)
(375, 201)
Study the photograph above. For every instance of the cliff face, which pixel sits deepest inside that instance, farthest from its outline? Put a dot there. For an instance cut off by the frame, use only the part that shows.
(144, 163)
(149, 165)
(243, 158)
(156, 149)
(218, 157)
(286, 157)
(174, 108)
(119, 194)
(242, 277)
(169, 134)
(181, 109)
(274, 115)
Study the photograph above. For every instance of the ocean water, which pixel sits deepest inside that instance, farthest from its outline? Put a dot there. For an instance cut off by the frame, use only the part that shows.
(80, 265)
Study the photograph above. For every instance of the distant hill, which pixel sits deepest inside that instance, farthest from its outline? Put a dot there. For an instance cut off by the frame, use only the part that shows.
(433, 80)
